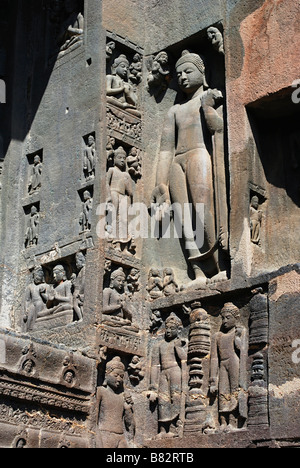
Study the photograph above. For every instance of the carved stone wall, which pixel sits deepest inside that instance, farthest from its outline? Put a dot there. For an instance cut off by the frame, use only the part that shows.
(149, 204)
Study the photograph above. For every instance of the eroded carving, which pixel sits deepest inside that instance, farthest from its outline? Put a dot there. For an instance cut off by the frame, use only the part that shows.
(134, 163)
(72, 28)
(69, 371)
(155, 284)
(28, 363)
(228, 369)
(58, 310)
(120, 338)
(159, 73)
(117, 310)
(156, 321)
(168, 379)
(161, 283)
(89, 158)
(126, 126)
(110, 48)
(255, 220)
(60, 294)
(114, 412)
(136, 370)
(79, 285)
(35, 299)
(133, 157)
(32, 231)
(135, 69)
(35, 180)
(216, 38)
(170, 286)
(133, 282)
(85, 219)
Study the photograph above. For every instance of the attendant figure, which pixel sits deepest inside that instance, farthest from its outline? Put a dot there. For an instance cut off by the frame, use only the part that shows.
(32, 232)
(85, 219)
(35, 181)
(169, 378)
(228, 368)
(255, 220)
(120, 190)
(113, 410)
(79, 286)
(35, 299)
(89, 161)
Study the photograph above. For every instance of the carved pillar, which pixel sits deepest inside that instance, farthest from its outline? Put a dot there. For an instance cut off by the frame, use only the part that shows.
(259, 319)
(199, 348)
(258, 415)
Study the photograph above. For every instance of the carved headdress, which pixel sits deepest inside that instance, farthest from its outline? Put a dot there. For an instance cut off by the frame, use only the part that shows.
(195, 59)
(62, 270)
(120, 150)
(189, 57)
(174, 320)
(121, 59)
(38, 270)
(114, 364)
(232, 309)
(119, 272)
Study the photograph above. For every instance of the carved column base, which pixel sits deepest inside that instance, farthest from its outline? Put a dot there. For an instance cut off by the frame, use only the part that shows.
(196, 412)
(195, 421)
(258, 408)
